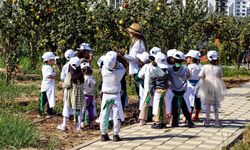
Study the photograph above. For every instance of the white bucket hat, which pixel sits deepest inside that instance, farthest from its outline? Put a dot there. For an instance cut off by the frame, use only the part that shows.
(193, 53)
(143, 56)
(100, 60)
(85, 64)
(212, 55)
(110, 60)
(69, 54)
(75, 62)
(171, 52)
(154, 51)
(179, 55)
(84, 46)
(161, 61)
(48, 56)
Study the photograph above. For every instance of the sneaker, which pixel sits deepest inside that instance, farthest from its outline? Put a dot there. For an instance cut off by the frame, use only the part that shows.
(61, 127)
(105, 137)
(206, 123)
(175, 124)
(156, 126)
(116, 138)
(190, 124)
(196, 118)
(218, 124)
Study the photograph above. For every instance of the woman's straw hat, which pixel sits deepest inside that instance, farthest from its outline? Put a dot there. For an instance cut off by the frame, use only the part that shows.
(135, 28)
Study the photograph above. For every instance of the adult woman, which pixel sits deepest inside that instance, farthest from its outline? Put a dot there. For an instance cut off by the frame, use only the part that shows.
(137, 46)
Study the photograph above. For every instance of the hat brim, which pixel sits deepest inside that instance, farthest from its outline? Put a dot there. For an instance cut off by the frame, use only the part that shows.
(130, 30)
(162, 65)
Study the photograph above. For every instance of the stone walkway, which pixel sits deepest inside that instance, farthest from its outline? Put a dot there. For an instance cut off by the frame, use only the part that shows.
(235, 113)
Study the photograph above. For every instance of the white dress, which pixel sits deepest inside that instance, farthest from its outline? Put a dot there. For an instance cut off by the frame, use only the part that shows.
(211, 86)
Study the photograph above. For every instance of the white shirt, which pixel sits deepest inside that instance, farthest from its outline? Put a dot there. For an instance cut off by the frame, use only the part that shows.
(211, 71)
(145, 72)
(47, 82)
(112, 79)
(194, 70)
(89, 85)
(65, 70)
(137, 48)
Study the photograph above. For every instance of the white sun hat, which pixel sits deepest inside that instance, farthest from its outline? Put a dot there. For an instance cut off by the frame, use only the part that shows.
(110, 60)
(161, 60)
(212, 55)
(84, 46)
(179, 55)
(154, 51)
(100, 61)
(143, 56)
(75, 62)
(171, 52)
(85, 64)
(193, 53)
(48, 56)
(69, 54)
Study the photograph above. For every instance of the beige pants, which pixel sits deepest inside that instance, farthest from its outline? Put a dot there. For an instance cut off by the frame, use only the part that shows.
(144, 112)
(156, 118)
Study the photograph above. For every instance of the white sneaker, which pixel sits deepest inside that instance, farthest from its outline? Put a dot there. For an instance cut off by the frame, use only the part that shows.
(61, 127)
(206, 123)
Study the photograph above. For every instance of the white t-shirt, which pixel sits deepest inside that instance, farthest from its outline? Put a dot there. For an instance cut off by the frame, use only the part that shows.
(145, 72)
(47, 70)
(89, 85)
(112, 79)
(137, 48)
(65, 70)
(194, 70)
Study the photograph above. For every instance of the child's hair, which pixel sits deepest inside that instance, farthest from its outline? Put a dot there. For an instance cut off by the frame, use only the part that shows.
(87, 71)
(195, 60)
(76, 75)
(214, 62)
(178, 60)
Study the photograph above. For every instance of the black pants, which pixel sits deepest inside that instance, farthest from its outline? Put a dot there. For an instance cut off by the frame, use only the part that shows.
(183, 107)
(43, 100)
(197, 103)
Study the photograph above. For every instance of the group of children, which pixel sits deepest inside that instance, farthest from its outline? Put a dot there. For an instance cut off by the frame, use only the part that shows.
(165, 84)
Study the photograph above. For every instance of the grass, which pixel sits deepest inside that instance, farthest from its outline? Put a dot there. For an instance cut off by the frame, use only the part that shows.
(16, 132)
(235, 72)
(12, 91)
(1, 62)
(245, 143)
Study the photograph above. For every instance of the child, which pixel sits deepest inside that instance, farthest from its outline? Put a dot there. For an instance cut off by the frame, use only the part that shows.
(112, 73)
(88, 89)
(158, 89)
(179, 76)
(143, 78)
(194, 67)
(68, 55)
(73, 83)
(48, 86)
(85, 53)
(170, 57)
(212, 87)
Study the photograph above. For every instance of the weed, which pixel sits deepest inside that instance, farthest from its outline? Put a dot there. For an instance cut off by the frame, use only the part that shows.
(235, 72)
(16, 132)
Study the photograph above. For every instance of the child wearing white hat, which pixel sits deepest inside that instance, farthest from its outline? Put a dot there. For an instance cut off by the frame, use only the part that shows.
(178, 77)
(88, 89)
(48, 86)
(170, 57)
(143, 78)
(212, 88)
(73, 84)
(112, 73)
(85, 53)
(194, 67)
(158, 89)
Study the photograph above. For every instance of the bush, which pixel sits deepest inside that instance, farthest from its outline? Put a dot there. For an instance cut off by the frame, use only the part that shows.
(16, 132)
(235, 72)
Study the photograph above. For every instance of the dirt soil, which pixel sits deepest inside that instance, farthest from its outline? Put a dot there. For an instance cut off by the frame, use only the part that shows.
(71, 137)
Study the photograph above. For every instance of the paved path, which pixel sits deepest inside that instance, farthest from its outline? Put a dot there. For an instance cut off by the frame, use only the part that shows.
(235, 113)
